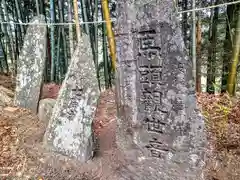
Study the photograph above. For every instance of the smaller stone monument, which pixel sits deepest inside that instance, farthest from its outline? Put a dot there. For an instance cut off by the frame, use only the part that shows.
(30, 65)
(70, 129)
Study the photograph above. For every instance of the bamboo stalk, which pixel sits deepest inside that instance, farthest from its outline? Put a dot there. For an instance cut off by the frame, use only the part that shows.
(96, 41)
(110, 34)
(52, 14)
(19, 16)
(105, 57)
(85, 17)
(228, 45)
(198, 49)
(8, 33)
(78, 30)
(16, 46)
(1, 66)
(61, 14)
(70, 28)
(58, 72)
(194, 41)
(37, 7)
(235, 59)
(5, 56)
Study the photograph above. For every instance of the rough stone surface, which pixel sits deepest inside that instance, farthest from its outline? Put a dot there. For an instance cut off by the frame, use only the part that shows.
(5, 99)
(70, 128)
(31, 65)
(6, 96)
(160, 128)
(45, 109)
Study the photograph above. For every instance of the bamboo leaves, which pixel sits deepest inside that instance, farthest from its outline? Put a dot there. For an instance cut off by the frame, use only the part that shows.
(61, 39)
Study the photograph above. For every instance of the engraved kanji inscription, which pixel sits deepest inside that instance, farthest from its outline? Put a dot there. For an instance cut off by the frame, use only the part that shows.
(150, 58)
(146, 96)
(147, 42)
(157, 148)
(149, 53)
(156, 75)
(78, 92)
(166, 127)
(150, 75)
(146, 87)
(147, 106)
(155, 124)
(144, 75)
(157, 97)
(160, 108)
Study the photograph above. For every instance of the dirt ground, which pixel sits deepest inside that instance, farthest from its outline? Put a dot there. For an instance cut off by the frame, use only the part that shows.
(22, 155)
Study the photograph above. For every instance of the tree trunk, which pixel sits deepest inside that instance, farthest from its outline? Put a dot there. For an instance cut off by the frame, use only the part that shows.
(212, 52)
(199, 43)
(227, 47)
(194, 41)
(185, 22)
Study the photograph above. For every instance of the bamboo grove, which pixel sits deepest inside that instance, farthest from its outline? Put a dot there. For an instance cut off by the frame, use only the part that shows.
(61, 39)
(211, 36)
(214, 34)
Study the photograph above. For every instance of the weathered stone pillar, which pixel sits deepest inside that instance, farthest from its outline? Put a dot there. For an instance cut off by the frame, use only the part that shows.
(160, 128)
(30, 65)
(70, 128)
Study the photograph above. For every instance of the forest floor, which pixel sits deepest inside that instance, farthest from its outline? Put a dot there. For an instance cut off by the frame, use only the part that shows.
(22, 155)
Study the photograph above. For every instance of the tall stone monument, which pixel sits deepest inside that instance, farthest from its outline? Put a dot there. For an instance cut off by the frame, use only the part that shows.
(30, 65)
(160, 128)
(70, 128)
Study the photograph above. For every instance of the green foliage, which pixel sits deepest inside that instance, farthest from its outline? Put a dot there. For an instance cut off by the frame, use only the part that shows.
(217, 87)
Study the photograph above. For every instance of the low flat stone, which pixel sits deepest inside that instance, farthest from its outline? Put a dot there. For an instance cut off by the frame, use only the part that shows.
(11, 109)
(5, 99)
(45, 109)
(9, 92)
